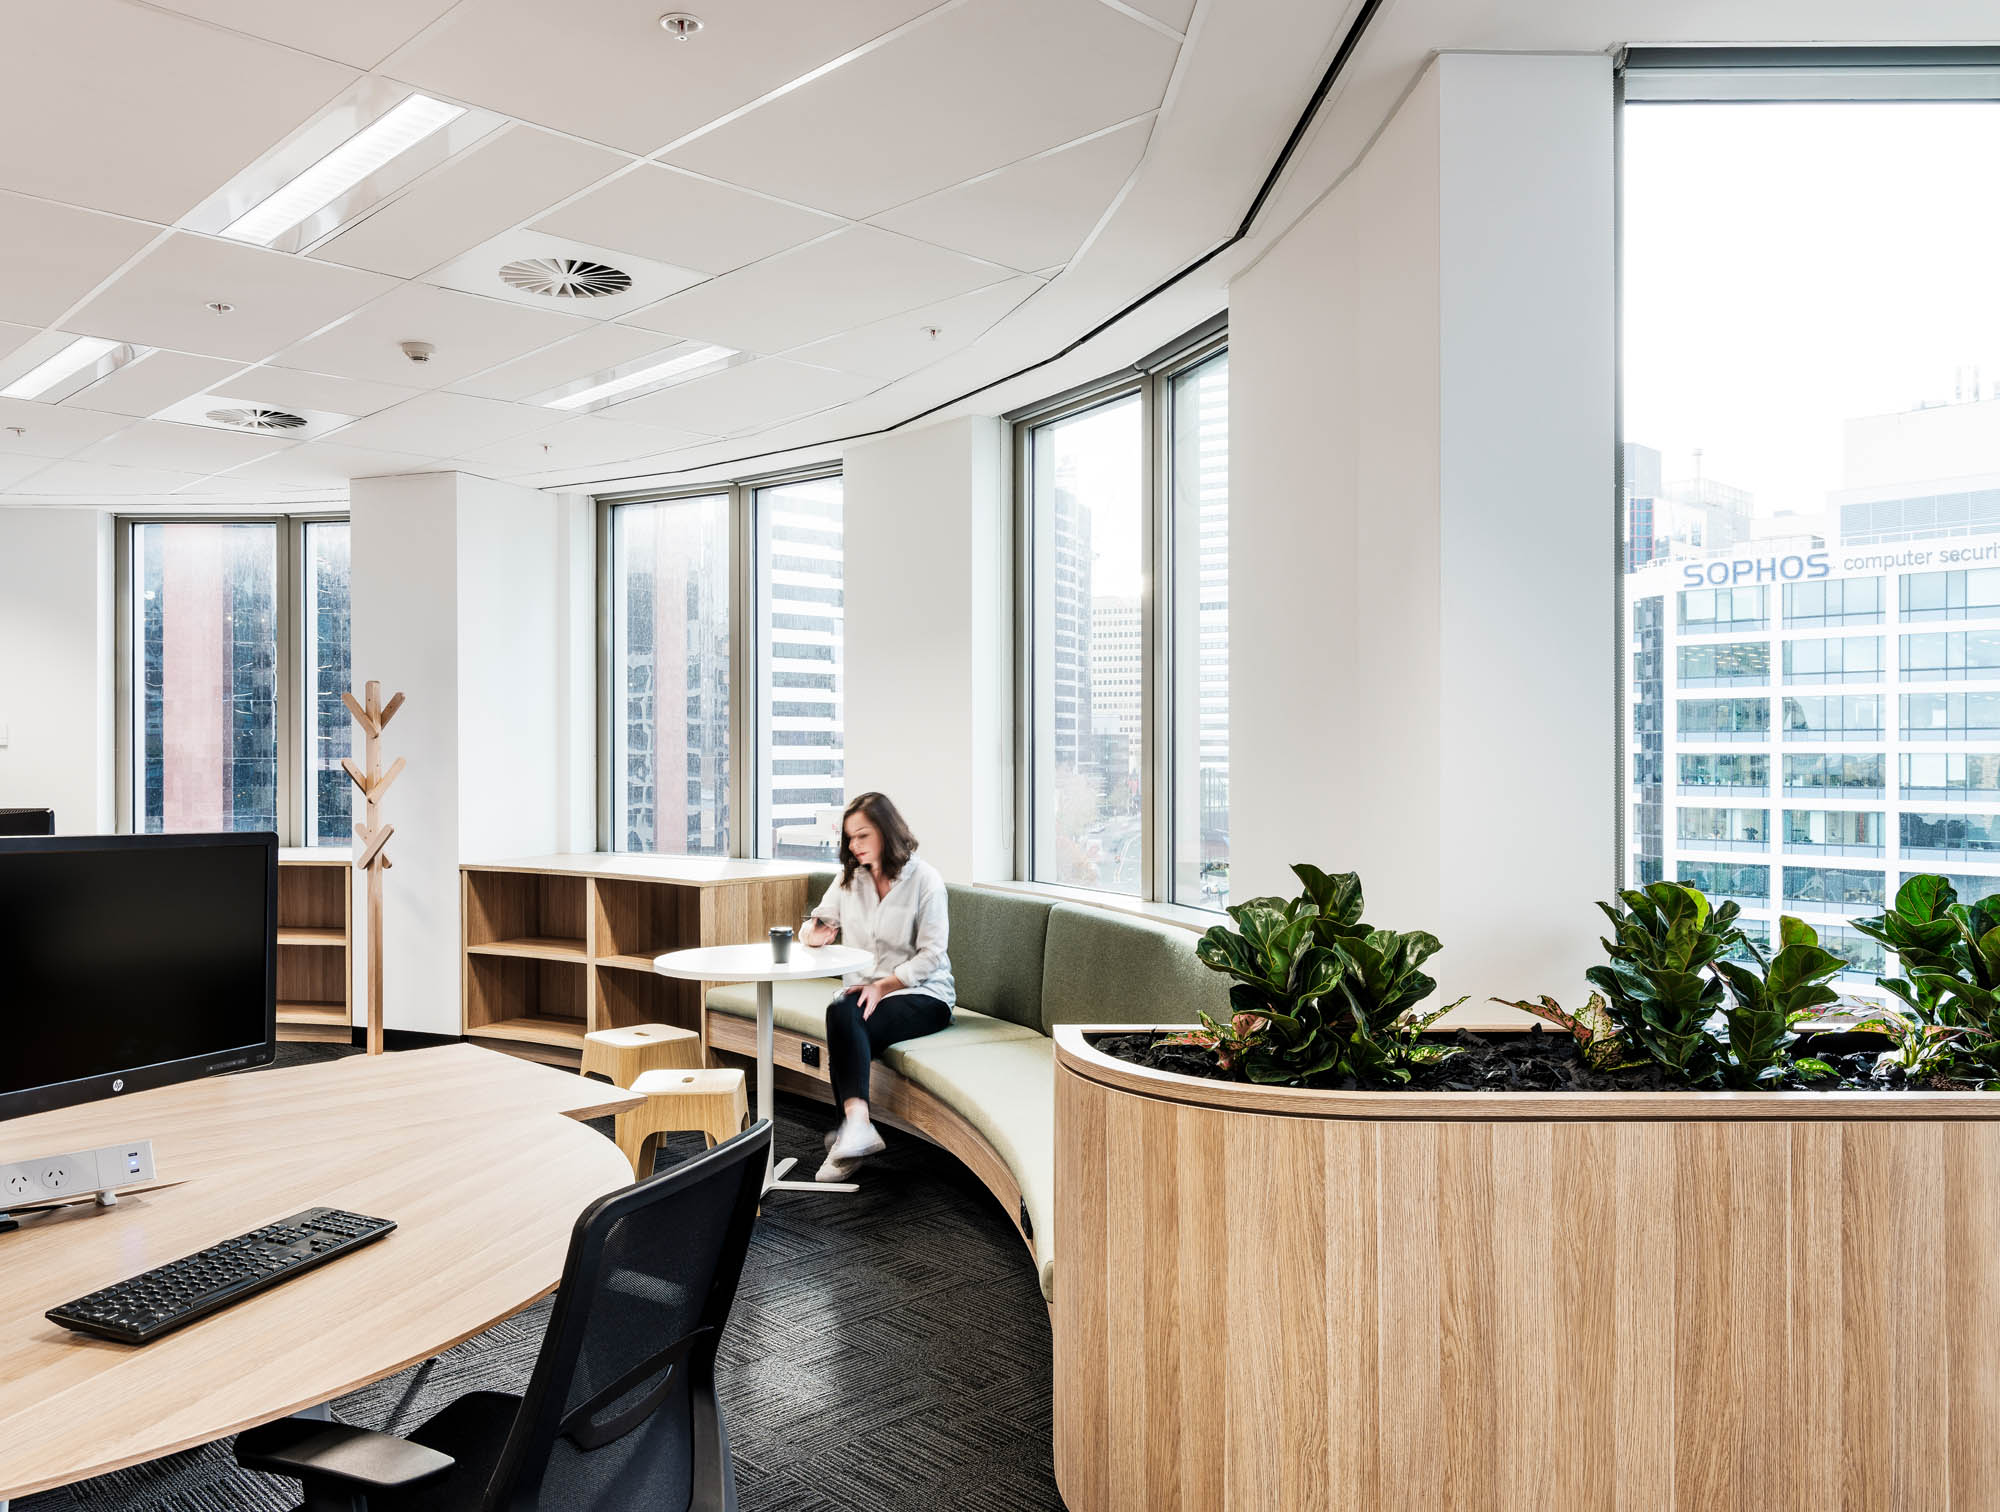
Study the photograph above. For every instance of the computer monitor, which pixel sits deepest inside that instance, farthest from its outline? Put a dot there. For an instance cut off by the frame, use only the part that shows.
(133, 961)
(27, 821)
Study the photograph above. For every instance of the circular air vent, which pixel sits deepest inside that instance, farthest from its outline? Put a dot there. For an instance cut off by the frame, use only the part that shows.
(565, 277)
(257, 419)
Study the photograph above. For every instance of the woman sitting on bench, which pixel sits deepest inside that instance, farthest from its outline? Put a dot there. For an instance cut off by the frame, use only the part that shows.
(891, 904)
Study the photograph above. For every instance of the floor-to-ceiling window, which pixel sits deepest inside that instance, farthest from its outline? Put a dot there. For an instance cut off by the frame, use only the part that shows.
(799, 668)
(1811, 445)
(1124, 717)
(721, 683)
(234, 637)
(668, 688)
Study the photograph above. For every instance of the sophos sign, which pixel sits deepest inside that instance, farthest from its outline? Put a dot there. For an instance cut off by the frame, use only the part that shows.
(1770, 569)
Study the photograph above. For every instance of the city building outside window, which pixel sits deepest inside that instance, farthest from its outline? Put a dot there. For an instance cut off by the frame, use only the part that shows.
(800, 615)
(1123, 727)
(234, 652)
(721, 686)
(1800, 478)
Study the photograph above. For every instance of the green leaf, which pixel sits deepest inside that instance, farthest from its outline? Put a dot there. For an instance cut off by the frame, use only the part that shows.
(1924, 898)
(1793, 931)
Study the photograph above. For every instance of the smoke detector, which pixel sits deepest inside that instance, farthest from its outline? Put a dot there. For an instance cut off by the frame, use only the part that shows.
(418, 351)
(258, 419)
(565, 277)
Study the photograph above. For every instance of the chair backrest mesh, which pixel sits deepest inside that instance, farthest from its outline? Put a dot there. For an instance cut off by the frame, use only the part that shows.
(613, 1415)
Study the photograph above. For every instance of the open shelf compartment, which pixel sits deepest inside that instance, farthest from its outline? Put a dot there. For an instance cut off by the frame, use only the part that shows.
(313, 1001)
(525, 914)
(639, 920)
(525, 1001)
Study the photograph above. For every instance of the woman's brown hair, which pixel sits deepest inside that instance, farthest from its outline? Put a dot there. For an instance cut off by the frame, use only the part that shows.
(898, 844)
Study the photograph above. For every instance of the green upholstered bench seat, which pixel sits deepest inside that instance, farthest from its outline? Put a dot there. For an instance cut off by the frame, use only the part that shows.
(1027, 965)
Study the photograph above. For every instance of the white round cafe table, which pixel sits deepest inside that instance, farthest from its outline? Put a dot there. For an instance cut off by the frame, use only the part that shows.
(755, 963)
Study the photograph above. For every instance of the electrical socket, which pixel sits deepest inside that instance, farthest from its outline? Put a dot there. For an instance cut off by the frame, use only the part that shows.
(76, 1174)
(56, 1176)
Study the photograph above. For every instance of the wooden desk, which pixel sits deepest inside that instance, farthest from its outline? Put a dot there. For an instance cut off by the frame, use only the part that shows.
(476, 1155)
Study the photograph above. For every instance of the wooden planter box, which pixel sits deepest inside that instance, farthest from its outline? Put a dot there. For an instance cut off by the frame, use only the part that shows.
(1269, 1298)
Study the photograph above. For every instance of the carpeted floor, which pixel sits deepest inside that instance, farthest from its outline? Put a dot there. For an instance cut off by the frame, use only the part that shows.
(889, 1352)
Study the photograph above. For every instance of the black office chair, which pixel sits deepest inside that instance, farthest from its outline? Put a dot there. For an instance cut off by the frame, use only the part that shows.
(620, 1411)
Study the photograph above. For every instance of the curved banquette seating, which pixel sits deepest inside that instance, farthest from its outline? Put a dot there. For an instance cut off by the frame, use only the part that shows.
(984, 1089)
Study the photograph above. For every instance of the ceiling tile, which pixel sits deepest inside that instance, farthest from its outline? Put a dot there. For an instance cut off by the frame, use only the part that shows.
(444, 425)
(597, 350)
(11, 336)
(163, 299)
(52, 255)
(129, 109)
(1031, 214)
(152, 383)
(50, 430)
(505, 179)
(360, 32)
(186, 448)
(1174, 12)
(322, 464)
(14, 469)
(583, 442)
(469, 333)
(739, 398)
(603, 69)
(845, 280)
(1048, 71)
(72, 479)
(287, 388)
(898, 346)
(678, 218)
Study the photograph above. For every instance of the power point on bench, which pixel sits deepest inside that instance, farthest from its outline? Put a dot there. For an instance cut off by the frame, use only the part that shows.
(808, 1053)
(1027, 1227)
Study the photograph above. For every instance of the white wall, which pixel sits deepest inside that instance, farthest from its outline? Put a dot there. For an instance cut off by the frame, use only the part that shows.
(929, 699)
(56, 666)
(1422, 527)
(457, 602)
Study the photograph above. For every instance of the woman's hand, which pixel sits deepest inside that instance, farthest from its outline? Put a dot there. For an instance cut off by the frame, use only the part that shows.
(816, 933)
(873, 993)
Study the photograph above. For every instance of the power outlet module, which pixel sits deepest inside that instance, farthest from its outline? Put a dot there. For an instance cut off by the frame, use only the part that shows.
(76, 1174)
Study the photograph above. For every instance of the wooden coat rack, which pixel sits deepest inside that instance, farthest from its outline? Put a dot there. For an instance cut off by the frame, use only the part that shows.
(373, 717)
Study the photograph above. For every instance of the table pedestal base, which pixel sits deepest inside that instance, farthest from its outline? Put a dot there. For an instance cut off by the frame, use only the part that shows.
(775, 1182)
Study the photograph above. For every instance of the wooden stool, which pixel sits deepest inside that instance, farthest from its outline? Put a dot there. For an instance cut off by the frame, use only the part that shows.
(712, 1101)
(622, 1056)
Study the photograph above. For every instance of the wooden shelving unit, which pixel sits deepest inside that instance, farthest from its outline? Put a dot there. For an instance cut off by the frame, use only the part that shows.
(556, 946)
(315, 936)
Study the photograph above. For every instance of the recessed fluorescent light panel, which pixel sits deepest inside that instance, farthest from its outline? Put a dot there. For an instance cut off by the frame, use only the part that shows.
(386, 138)
(80, 363)
(634, 378)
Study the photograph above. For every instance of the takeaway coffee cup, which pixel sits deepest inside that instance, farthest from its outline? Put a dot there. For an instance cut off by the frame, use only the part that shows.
(781, 944)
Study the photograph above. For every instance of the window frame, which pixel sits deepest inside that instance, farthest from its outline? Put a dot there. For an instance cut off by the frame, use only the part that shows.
(1151, 380)
(294, 710)
(746, 611)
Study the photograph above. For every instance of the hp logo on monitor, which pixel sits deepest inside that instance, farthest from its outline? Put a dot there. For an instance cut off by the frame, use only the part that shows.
(118, 1084)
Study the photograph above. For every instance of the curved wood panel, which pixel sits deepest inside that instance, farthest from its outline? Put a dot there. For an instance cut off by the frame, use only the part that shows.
(900, 1103)
(1074, 1052)
(1705, 1315)
(477, 1157)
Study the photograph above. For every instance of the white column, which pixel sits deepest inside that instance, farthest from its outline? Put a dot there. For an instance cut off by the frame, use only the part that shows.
(456, 593)
(929, 710)
(1422, 528)
(57, 730)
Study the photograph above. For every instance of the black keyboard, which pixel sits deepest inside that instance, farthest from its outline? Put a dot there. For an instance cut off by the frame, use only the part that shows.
(162, 1299)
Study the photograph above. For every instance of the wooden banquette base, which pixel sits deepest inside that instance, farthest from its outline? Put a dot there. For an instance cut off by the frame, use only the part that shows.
(894, 1101)
(1275, 1299)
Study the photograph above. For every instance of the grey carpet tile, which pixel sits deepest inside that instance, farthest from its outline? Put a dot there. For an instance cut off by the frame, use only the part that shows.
(889, 1352)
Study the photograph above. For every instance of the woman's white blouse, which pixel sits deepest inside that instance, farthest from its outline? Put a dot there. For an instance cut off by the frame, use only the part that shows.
(905, 931)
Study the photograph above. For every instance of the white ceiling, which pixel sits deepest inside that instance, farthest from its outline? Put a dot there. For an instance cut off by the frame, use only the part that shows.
(879, 203)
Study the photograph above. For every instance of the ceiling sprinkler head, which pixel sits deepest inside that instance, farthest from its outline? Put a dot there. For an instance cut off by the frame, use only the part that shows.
(418, 351)
(220, 307)
(680, 25)
(933, 332)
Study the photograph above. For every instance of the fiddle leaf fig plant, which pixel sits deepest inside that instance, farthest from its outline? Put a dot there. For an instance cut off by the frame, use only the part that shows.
(1316, 994)
(1950, 952)
(1769, 1000)
(1659, 989)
